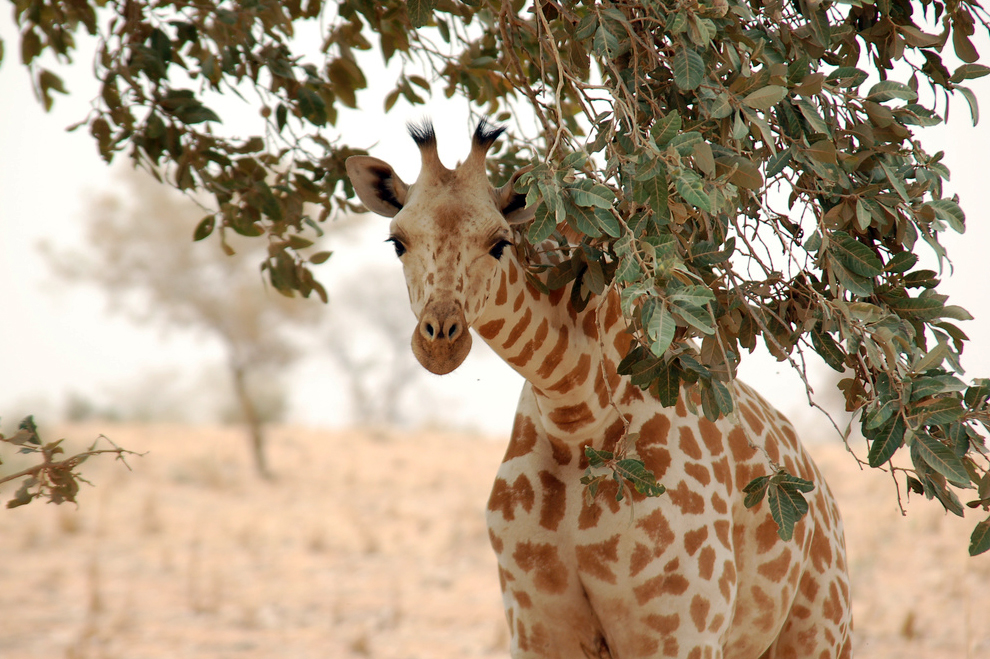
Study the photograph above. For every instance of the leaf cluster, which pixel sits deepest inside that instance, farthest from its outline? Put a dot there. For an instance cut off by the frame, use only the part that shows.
(626, 472)
(740, 172)
(54, 479)
(785, 498)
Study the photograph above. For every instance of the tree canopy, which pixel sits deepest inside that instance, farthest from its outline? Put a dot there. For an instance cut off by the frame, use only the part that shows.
(738, 171)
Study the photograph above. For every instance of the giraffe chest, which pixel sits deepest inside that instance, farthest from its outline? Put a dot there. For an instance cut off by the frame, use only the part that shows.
(619, 565)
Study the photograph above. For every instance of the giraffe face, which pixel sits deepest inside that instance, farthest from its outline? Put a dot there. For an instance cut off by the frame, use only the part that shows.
(450, 229)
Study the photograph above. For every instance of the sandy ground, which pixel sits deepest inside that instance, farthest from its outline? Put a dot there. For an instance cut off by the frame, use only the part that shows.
(373, 544)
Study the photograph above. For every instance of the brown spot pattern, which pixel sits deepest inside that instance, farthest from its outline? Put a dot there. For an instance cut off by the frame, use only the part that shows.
(491, 329)
(664, 584)
(663, 624)
(706, 563)
(549, 573)
(553, 359)
(575, 377)
(523, 438)
(560, 450)
(571, 418)
(497, 543)
(688, 444)
(694, 539)
(690, 503)
(505, 498)
(699, 612)
(554, 502)
(595, 559)
(518, 329)
(698, 472)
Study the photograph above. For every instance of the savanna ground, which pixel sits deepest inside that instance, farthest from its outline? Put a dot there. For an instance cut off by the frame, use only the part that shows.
(373, 544)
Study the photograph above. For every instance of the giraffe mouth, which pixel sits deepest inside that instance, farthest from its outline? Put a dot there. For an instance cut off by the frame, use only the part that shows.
(441, 342)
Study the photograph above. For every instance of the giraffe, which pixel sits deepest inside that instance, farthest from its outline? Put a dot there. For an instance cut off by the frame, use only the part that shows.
(692, 573)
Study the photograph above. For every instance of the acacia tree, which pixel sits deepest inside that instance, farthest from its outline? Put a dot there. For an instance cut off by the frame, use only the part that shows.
(139, 253)
(685, 141)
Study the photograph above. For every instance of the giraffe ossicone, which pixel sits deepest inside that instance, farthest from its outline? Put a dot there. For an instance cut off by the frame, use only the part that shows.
(692, 573)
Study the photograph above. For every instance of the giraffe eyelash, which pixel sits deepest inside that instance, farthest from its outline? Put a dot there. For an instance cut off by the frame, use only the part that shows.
(400, 249)
(497, 249)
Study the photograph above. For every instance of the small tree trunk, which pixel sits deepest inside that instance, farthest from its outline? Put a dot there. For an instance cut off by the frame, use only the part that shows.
(254, 425)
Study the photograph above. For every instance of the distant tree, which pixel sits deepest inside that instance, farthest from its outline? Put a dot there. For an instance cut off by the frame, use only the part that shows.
(689, 143)
(369, 340)
(139, 253)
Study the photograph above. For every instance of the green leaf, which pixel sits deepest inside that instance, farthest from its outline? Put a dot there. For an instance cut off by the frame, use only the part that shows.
(887, 90)
(665, 128)
(969, 72)
(811, 115)
(941, 458)
(588, 193)
(950, 212)
(582, 219)
(204, 228)
(777, 162)
(782, 510)
(755, 490)
(978, 392)
(661, 329)
(597, 458)
(795, 483)
(896, 182)
(720, 107)
(880, 415)
(641, 478)
(699, 318)
(855, 255)
(706, 253)
(721, 396)
(692, 190)
(311, 106)
(684, 143)
(420, 11)
(921, 308)
(854, 283)
(979, 541)
(825, 345)
(696, 295)
(765, 98)
(629, 269)
(606, 43)
(320, 257)
(668, 383)
(746, 175)
(544, 224)
(937, 411)
(886, 442)
(652, 193)
(901, 262)
(689, 69)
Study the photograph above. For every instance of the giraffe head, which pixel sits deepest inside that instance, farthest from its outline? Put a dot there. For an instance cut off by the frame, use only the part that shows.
(451, 229)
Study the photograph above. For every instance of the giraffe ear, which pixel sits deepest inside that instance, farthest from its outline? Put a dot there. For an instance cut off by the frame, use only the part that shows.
(512, 203)
(377, 184)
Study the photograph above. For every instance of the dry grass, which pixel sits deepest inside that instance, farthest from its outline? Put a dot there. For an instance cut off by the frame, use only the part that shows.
(372, 545)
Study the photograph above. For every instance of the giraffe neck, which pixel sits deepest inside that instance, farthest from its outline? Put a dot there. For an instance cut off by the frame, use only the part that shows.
(568, 357)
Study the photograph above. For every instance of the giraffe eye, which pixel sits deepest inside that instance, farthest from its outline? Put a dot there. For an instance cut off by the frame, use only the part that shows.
(498, 248)
(400, 249)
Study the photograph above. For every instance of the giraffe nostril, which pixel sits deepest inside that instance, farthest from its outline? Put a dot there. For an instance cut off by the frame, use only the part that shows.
(430, 330)
(452, 331)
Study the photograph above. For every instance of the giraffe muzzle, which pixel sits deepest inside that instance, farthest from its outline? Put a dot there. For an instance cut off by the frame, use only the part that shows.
(441, 341)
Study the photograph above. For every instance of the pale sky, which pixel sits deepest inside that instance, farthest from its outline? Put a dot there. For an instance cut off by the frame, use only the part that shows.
(56, 339)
